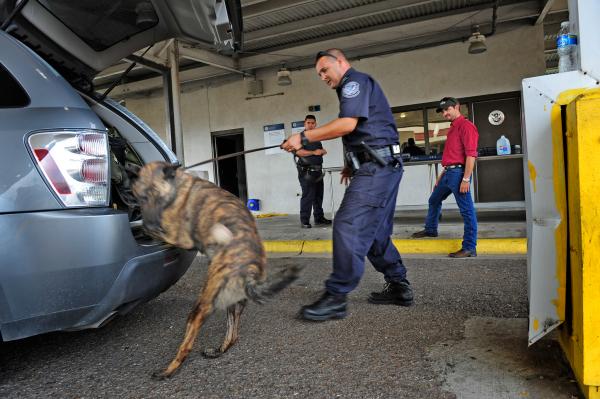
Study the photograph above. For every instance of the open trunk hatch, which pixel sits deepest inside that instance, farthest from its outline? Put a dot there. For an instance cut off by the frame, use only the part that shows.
(81, 38)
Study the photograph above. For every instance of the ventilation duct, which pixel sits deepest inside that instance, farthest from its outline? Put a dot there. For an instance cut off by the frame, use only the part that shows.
(255, 87)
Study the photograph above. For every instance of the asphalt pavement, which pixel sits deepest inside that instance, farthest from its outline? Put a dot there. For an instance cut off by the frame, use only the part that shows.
(465, 337)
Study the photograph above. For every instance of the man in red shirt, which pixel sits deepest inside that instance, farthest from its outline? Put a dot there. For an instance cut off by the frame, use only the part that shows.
(458, 161)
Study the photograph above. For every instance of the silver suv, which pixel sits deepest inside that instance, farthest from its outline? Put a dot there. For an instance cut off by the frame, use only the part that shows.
(72, 250)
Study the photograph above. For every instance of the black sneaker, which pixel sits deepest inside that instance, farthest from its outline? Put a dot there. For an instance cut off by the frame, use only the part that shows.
(329, 306)
(393, 294)
(306, 225)
(322, 221)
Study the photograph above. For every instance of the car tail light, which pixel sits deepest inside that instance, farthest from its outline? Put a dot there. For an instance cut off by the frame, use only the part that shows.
(75, 164)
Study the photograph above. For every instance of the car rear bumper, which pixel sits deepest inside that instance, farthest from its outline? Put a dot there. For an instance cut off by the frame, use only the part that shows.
(74, 269)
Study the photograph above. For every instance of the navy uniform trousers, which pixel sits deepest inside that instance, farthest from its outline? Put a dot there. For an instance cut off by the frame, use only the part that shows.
(363, 226)
(312, 198)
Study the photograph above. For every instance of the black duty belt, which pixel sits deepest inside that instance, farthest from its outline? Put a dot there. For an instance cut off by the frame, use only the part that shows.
(383, 155)
(454, 166)
(311, 168)
(364, 156)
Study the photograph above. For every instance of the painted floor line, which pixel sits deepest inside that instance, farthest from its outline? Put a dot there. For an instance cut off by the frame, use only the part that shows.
(486, 246)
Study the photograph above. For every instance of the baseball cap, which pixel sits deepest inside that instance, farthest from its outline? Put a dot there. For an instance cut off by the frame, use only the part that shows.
(445, 103)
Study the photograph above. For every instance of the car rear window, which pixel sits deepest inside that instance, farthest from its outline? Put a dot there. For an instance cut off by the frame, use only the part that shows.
(103, 23)
(11, 94)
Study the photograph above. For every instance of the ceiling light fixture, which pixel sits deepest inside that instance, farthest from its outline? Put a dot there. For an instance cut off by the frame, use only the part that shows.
(283, 77)
(476, 41)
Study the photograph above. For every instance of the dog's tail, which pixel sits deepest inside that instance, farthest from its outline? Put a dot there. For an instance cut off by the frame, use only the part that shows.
(260, 293)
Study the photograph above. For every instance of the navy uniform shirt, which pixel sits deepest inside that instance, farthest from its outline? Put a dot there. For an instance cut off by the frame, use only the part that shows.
(361, 97)
(311, 159)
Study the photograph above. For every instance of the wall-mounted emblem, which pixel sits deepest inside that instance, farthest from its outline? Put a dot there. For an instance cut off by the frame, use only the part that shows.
(496, 117)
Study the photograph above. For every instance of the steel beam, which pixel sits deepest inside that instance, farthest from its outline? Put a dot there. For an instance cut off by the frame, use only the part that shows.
(544, 11)
(258, 9)
(175, 106)
(209, 58)
(333, 18)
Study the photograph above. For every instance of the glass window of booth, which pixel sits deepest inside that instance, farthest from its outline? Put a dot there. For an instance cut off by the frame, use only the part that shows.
(411, 127)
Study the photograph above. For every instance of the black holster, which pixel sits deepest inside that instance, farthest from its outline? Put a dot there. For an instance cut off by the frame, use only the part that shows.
(310, 173)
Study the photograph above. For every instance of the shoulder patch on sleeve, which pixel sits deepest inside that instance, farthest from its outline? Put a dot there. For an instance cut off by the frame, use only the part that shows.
(351, 89)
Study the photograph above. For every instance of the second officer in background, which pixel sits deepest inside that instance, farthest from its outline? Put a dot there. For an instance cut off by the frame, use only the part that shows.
(310, 174)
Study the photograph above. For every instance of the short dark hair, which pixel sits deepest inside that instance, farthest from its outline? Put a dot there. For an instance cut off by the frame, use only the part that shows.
(411, 141)
(334, 53)
(322, 54)
(309, 116)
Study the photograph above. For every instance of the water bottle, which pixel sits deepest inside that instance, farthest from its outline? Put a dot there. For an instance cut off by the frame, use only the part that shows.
(503, 146)
(566, 47)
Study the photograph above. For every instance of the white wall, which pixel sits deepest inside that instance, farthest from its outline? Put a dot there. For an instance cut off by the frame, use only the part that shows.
(406, 78)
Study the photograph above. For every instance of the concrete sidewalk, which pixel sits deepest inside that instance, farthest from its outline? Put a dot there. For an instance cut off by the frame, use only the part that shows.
(499, 232)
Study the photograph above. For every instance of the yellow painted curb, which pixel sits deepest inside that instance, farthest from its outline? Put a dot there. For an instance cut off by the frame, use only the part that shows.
(268, 215)
(486, 246)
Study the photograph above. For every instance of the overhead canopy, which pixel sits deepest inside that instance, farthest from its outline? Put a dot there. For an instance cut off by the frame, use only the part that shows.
(289, 32)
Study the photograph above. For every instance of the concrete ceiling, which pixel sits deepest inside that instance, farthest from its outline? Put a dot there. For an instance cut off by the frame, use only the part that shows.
(289, 33)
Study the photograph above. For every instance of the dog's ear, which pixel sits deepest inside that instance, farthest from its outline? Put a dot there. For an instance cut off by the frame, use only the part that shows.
(169, 171)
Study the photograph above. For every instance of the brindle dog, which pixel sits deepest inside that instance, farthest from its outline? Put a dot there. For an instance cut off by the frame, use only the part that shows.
(189, 212)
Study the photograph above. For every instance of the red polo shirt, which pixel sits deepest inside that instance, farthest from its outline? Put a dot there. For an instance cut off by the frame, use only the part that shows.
(461, 141)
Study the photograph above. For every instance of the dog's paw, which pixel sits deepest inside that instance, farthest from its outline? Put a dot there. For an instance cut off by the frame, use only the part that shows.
(160, 375)
(212, 353)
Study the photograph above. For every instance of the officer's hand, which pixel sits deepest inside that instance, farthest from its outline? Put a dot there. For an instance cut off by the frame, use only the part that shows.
(320, 151)
(293, 143)
(346, 175)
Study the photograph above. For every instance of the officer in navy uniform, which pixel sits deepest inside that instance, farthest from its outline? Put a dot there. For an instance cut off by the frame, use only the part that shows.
(310, 174)
(363, 224)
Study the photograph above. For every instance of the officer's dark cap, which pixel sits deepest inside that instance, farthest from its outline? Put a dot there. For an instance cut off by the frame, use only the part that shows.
(445, 103)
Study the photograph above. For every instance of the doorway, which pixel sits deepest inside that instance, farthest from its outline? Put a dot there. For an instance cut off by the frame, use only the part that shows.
(230, 173)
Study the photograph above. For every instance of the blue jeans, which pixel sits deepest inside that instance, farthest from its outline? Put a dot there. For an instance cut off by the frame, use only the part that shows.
(450, 184)
(362, 227)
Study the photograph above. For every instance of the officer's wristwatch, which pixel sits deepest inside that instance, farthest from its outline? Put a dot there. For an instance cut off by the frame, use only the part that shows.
(303, 139)
(466, 180)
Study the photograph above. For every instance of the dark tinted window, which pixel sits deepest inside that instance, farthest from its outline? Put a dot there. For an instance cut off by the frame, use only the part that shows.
(11, 92)
(102, 23)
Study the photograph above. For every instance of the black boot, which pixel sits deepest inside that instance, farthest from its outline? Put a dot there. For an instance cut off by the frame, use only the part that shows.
(322, 221)
(329, 306)
(393, 293)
